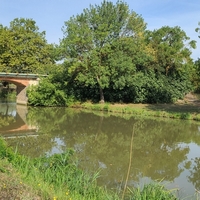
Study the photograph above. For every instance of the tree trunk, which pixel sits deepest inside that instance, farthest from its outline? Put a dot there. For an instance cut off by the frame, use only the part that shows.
(101, 91)
(101, 95)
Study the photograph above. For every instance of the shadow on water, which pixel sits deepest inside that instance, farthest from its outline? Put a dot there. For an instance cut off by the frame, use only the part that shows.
(161, 148)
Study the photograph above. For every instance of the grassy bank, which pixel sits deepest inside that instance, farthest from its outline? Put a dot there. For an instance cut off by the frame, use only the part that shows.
(58, 178)
(185, 111)
(55, 177)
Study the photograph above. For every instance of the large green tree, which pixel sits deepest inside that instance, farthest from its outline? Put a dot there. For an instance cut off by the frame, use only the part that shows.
(23, 48)
(101, 46)
(173, 50)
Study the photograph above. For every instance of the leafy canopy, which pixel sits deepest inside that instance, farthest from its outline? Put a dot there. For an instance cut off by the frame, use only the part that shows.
(173, 49)
(23, 48)
(99, 45)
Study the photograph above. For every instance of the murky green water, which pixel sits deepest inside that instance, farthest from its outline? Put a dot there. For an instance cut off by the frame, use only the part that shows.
(154, 149)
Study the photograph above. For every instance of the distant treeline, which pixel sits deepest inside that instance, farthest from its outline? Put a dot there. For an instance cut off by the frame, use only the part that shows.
(106, 54)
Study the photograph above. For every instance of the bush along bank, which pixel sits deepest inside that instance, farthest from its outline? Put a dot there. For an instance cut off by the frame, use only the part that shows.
(57, 177)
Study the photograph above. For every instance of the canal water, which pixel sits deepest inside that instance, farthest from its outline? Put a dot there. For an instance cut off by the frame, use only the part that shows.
(165, 150)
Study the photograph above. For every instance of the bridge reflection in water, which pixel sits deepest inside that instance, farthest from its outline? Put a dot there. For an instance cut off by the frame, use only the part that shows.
(13, 122)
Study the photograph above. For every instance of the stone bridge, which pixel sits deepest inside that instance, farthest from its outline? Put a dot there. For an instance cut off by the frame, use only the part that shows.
(22, 81)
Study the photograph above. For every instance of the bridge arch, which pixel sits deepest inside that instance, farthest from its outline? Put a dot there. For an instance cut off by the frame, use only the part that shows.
(15, 82)
(22, 82)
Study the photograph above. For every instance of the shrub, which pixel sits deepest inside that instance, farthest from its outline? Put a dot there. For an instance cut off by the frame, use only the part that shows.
(5, 152)
(46, 94)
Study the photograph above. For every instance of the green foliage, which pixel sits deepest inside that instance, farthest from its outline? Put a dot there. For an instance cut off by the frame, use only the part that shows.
(46, 94)
(198, 29)
(185, 116)
(59, 170)
(196, 76)
(5, 152)
(149, 88)
(153, 191)
(173, 66)
(6, 120)
(106, 53)
(143, 87)
(6, 93)
(56, 177)
(173, 50)
(23, 48)
(197, 117)
(98, 46)
(117, 59)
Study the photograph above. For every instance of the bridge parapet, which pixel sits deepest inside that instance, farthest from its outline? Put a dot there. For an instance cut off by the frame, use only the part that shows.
(19, 75)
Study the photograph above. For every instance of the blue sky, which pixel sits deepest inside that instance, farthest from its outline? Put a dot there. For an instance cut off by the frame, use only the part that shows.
(50, 15)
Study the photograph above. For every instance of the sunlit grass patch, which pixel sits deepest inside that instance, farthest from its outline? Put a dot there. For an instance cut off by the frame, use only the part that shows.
(152, 191)
(165, 111)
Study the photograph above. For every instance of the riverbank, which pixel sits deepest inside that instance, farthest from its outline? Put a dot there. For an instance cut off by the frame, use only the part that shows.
(58, 177)
(187, 109)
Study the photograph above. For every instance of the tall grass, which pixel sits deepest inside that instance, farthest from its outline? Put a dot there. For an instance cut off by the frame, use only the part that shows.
(152, 191)
(58, 177)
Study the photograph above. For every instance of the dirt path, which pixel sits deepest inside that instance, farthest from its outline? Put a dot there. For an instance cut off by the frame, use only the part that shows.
(190, 98)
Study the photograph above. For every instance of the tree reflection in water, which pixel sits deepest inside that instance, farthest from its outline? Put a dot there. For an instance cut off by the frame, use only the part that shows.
(103, 142)
(194, 177)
